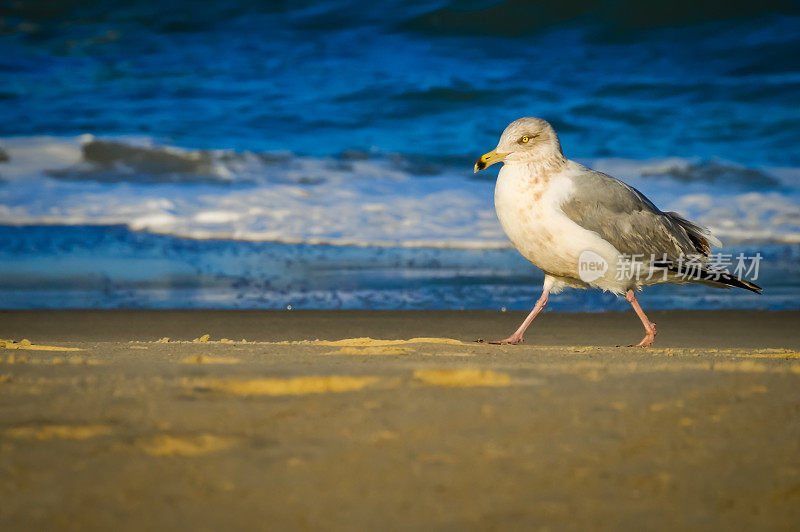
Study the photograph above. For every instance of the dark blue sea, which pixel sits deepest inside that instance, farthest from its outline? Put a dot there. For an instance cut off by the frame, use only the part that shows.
(319, 154)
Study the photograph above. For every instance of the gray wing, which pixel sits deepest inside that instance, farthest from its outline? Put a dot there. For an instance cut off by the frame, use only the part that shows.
(629, 221)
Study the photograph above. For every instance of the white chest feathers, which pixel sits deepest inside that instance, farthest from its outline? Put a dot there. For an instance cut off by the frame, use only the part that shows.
(528, 204)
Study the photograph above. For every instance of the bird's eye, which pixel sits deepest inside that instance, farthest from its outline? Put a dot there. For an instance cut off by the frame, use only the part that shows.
(525, 138)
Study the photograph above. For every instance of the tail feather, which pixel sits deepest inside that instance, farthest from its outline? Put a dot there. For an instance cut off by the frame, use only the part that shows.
(701, 238)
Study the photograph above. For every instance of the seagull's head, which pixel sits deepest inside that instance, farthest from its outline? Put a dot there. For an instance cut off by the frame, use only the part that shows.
(525, 140)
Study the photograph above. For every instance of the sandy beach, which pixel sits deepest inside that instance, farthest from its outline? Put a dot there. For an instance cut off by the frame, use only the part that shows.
(349, 420)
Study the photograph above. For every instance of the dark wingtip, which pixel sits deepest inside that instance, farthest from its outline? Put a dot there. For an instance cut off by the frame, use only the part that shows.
(751, 286)
(712, 277)
(730, 280)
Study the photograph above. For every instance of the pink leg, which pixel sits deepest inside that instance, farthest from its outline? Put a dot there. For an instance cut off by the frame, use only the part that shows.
(649, 327)
(517, 336)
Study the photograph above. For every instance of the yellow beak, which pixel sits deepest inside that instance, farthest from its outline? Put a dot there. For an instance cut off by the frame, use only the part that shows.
(488, 159)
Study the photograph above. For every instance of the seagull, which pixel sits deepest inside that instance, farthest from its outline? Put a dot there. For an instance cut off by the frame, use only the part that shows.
(585, 229)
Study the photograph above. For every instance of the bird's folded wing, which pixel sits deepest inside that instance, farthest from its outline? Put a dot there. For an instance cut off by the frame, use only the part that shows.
(630, 222)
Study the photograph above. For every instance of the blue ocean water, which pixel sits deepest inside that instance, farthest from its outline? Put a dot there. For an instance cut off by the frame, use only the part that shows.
(113, 267)
(342, 134)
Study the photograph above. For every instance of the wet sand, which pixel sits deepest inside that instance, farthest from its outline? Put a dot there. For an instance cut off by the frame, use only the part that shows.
(132, 431)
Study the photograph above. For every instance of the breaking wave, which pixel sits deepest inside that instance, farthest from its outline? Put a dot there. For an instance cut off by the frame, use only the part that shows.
(355, 198)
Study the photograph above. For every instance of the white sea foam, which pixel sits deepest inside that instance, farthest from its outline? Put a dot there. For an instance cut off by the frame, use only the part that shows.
(364, 201)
